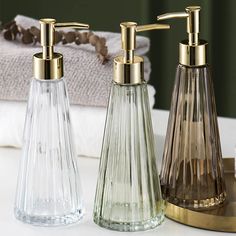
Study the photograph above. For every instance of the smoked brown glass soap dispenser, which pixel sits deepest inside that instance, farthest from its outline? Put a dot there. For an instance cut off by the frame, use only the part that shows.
(128, 195)
(48, 191)
(192, 169)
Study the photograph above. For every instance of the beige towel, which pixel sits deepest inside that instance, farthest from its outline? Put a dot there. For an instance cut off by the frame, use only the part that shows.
(88, 80)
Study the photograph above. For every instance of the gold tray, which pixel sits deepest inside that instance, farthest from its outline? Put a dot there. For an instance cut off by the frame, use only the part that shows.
(221, 219)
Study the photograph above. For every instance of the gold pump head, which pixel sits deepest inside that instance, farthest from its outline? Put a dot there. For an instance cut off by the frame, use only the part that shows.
(128, 69)
(193, 51)
(48, 65)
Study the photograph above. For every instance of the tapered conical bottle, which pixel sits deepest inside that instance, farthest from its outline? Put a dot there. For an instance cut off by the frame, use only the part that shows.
(192, 168)
(48, 190)
(128, 196)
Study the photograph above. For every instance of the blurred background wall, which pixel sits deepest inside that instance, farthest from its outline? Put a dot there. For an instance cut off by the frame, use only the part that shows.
(217, 27)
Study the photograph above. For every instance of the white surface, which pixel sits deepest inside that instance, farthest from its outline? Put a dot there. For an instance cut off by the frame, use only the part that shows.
(9, 226)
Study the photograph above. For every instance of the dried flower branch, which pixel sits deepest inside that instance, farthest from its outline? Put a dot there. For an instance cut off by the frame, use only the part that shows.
(32, 36)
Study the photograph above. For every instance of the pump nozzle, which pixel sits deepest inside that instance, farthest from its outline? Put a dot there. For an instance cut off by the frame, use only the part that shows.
(128, 69)
(128, 36)
(47, 31)
(48, 64)
(193, 25)
(192, 52)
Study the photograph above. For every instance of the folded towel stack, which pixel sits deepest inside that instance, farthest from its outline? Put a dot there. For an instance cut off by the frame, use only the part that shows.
(88, 83)
(88, 80)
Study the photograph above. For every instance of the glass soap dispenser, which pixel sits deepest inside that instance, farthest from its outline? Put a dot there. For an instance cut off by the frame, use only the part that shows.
(192, 168)
(128, 195)
(48, 191)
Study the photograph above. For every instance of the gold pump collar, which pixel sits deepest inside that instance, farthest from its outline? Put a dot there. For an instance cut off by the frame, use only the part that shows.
(192, 52)
(48, 65)
(128, 69)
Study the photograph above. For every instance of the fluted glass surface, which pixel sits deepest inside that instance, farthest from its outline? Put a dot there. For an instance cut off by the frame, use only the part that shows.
(128, 196)
(192, 168)
(48, 191)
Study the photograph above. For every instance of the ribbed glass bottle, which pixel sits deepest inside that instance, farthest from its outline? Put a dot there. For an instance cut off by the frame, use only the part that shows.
(192, 169)
(128, 196)
(48, 191)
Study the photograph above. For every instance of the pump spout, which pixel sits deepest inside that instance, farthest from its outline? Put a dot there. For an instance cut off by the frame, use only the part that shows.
(193, 25)
(128, 68)
(48, 65)
(128, 37)
(193, 51)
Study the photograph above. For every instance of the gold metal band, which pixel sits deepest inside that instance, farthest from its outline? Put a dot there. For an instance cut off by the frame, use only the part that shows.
(48, 69)
(193, 55)
(128, 73)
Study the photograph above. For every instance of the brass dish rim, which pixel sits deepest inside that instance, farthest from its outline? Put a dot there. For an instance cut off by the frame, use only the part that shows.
(200, 219)
(206, 219)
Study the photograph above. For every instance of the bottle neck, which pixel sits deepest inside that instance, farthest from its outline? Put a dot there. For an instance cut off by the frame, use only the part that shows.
(48, 68)
(128, 73)
(193, 55)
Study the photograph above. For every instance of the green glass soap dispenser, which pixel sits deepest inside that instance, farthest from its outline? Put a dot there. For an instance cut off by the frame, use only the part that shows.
(128, 196)
(192, 168)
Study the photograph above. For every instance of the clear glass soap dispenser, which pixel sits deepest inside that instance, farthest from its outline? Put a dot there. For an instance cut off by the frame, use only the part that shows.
(48, 191)
(128, 196)
(192, 168)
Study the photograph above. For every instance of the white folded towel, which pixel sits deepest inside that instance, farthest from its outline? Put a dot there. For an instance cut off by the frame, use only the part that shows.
(87, 122)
